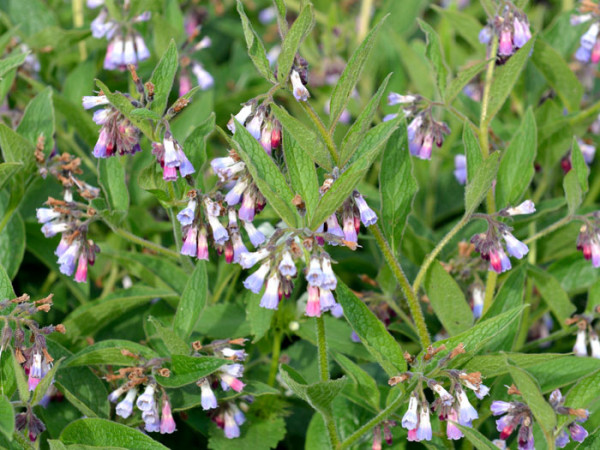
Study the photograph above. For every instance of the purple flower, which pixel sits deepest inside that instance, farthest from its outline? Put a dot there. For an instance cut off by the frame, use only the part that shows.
(232, 430)
(270, 298)
(287, 267)
(146, 402)
(254, 282)
(499, 407)
(452, 431)
(515, 247)
(424, 432)
(167, 423)
(466, 412)
(562, 439)
(125, 406)
(367, 215)
(460, 168)
(578, 433)
(208, 398)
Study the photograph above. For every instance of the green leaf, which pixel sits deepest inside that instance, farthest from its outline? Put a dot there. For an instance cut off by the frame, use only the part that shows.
(7, 418)
(265, 174)
(447, 300)
(109, 352)
(151, 180)
(397, 187)
(579, 166)
(517, 163)
(87, 319)
(472, 152)
(304, 137)
(435, 54)
(291, 43)
(16, 148)
(123, 104)
(281, 16)
(193, 301)
(258, 317)
(478, 187)
(12, 61)
(189, 369)
(351, 74)
(195, 144)
(45, 383)
(38, 120)
(12, 239)
(302, 173)
(104, 433)
(476, 438)
(573, 192)
(495, 365)
(6, 289)
(260, 434)
(316, 434)
(466, 25)
(318, 395)
(366, 387)
(371, 331)
(510, 294)
(478, 337)
(530, 391)
(585, 393)
(360, 163)
(163, 77)
(22, 385)
(7, 170)
(174, 344)
(558, 74)
(361, 125)
(111, 176)
(462, 79)
(256, 49)
(145, 114)
(552, 293)
(505, 78)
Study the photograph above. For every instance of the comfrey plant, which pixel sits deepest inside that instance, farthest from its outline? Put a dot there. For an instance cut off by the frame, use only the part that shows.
(244, 245)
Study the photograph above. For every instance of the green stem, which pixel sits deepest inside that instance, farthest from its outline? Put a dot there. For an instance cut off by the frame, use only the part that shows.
(555, 226)
(322, 347)
(423, 270)
(322, 131)
(484, 142)
(144, 243)
(363, 19)
(384, 414)
(324, 376)
(411, 298)
(275, 358)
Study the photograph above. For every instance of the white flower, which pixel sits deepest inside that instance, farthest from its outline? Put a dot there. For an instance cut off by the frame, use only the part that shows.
(410, 419)
(527, 207)
(580, 348)
(300, 92)
(145, 402)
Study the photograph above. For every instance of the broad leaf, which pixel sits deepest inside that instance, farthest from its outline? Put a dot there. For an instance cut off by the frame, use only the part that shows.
(105, 433)
(192, 302)
(553, 294)
(162, 79)
(435, 54)
(291, 44)
(478, 187)
(472, 152)
(256, 49)
(462, 79)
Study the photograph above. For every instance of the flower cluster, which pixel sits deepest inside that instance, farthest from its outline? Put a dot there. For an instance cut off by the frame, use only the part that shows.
(517, 414)
(118, 136)
(489, 244)
(451, 406)
(229, 417)
(387, 434)
(589, 44)
(512, 30)
(260, 124)
(20, 330)
(171, 157)
(588, 240)
(204, 79)
(423, 130)
(584, 329)
(142, 376)
(68, 217)
(126, 46)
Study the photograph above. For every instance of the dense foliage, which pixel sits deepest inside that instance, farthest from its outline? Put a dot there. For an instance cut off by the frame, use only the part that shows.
(337, 224)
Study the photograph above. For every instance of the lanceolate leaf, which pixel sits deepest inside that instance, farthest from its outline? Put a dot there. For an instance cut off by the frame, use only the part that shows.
(554, 295)
(266, 175)
(192, 302)
(294, 37)
(478, 187)
(517, 163)
(38, 120)
(304, 136)
(345, 85)
(371, 331)
(579, 165)
(361, 125)
(435, 54)
(397, 187)
(163, 77)
(472, 152)
(447, 300)
(111, 174)
(462, 79)
(256, 49)
(505, 78)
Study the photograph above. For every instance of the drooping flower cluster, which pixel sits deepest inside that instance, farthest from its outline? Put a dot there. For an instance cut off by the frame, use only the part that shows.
(260, 124)
(126, 46)
(518, 415)
(299, 79)
(423, 130)
(190, 64)
(386, 426)
(589, 44)
(451, 406)
(35, 359)
(171, 157)
(68, 217)
(585, 328)
(489, 244)
(142, 391)
(588, 240)
(511, 27)
(226, 415)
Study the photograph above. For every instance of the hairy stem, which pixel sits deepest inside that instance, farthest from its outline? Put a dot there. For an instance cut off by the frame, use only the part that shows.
(322, 131)
(484, 142)
(555, 226)
(411, 298)
(364, 17)
(144, 243)
(275, 358)
(384, 414)
(438, 248)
